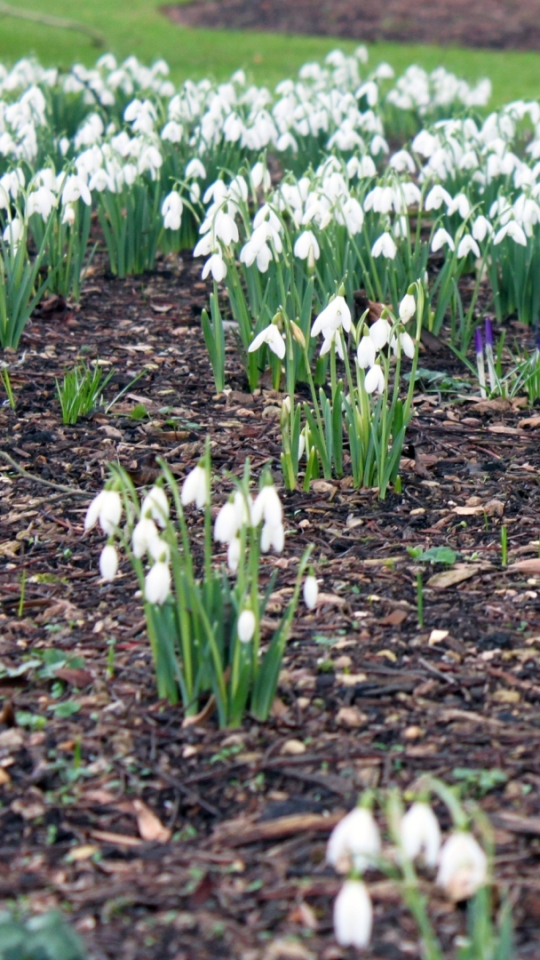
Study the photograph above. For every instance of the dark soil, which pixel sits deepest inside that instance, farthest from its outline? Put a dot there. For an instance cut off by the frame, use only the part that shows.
(368, 696)
(499, 24)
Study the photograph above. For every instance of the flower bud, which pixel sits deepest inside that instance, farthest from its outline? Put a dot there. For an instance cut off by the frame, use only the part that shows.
(463, 866)
(353, 915)
(420, 833)
(144, 532)
(195, 488)
(108, 562)
(157, 584)
(407, 308)
(246, 626)
(298, 334)
(311, 592)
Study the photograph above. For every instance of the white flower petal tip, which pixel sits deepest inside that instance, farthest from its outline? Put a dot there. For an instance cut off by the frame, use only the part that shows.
(420, 834)
(463, 866)
(355, 842)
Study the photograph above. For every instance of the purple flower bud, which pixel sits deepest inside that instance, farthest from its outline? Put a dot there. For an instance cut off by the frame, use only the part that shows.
(478, 341)
(489, 332)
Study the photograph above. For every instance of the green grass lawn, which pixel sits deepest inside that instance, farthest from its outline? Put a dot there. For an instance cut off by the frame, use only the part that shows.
(136, 26)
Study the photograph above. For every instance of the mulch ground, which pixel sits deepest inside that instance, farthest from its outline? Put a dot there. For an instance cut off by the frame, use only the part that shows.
(472, 23)
(368, 697)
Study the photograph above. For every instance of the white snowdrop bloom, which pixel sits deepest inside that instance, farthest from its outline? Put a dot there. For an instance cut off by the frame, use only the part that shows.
(310, 592)
(173, 132)
(384, 71)
(467, 245)
(384, 246)
(436, 197)
(378, 145)
(354, 843)
(370, 91)
(362, 168)
(143, 533)
(353, 915)
(374, 380)
(157, 583)
(74, 189)
(195, 169)
(69, 215)
(159, 550)
(425, 143)
(267, 507)
(171, 211)
(402, 161)
(233, 554)
(420, 833)
(259, 175)
(156, 506)
(442, 238)
(272, 537)
(306, 246)
(108, 562)
(351, 215)
(13, 232)
(481, 228)
(216, 266)
(42, 202)
(460, 204)
(407, 308)
(365, 353)
(379, 333)
(333, 337)
(227, 523)
(107, 508)
(195, 488)
(99, 181)
(246, 626)
(512, 230)
(272, 337)
(403, 342)
(333, 317)
(463, 866)
(225, 228)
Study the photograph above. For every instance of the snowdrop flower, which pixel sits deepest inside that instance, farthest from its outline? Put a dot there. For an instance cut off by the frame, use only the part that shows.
(75, 189)
(195, 488)
(159, 550)
(157, 583)
(480, 228)
(420, 833)
(436, 197)
(108, 562)
(171, 211)
(70, 214)
(311, 592)
(195, 169)
(467, 245)
(512, 230)
(144, 532)
(334, 337)
(463, 866)
(403, 342)
(156, 505)
(333, 317)
(107, 508)
(375, 380)
(227, 523)
(353, 915)
(233, 554)
(272, 537)
(41, 201)
(407, 308)
(379, 333)
(13, 232)
(307, 247)
(267, 507)
(246, 626)
(365, 354)
(354, 843)
(216, 266)
(272, 337)
(461, 205)
(384, 246)
(442, 238)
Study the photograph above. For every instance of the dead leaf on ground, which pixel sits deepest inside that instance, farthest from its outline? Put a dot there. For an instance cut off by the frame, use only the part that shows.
(527, 566)
(150, 826)
(459, 573)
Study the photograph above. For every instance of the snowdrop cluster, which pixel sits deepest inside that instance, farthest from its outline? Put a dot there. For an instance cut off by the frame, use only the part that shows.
(204, 621)
(355, 847)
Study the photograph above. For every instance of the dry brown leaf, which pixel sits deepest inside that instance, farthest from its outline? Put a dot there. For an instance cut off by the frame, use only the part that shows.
(530, 423)
(116, 839)
(322, 487)
(394, 619)
(532, 565)
(351, 717)
(459, 573)
(293, 748)
(150, 826)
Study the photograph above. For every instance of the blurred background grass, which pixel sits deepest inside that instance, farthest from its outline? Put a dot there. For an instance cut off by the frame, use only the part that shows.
(137, 27)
